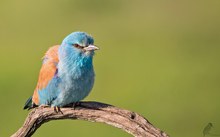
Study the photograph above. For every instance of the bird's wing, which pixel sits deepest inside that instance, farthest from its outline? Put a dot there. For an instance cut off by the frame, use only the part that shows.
(47, 72)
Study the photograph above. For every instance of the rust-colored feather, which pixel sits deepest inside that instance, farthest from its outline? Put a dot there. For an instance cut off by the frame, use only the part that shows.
(47, 72)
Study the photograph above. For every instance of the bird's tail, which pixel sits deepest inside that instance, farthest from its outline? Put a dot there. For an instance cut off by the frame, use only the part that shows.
(28, 105)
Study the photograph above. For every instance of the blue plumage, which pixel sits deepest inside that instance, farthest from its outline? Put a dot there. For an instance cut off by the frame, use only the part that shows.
(72, 75)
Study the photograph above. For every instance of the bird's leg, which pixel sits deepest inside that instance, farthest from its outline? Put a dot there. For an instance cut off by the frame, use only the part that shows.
(75, 104)
(57, 109)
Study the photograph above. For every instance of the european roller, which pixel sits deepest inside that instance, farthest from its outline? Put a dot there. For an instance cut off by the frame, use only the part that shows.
(67, 74)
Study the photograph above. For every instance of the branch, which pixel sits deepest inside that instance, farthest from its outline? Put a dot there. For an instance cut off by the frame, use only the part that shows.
(128, 121)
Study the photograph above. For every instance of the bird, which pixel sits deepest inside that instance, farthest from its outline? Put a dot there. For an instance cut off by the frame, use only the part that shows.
(67, 74)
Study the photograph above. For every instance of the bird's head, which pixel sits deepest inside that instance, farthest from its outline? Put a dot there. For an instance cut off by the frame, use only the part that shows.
(80, 42)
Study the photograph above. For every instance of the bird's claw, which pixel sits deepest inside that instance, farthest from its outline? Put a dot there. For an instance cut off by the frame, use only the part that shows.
(57, 109)
(76, 104)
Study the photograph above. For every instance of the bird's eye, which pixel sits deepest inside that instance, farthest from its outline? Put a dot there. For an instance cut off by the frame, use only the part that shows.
(76, 45)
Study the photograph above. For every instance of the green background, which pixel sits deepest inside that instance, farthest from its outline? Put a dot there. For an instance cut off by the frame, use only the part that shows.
(158, 58)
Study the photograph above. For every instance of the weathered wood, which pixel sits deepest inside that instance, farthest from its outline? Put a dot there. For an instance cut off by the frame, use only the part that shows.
(128, 121)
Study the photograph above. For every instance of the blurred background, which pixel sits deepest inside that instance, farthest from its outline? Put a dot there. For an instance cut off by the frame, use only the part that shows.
(158, 58)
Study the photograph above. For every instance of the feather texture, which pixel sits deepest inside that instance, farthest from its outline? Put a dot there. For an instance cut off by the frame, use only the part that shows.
(47, 73)
(67, 74)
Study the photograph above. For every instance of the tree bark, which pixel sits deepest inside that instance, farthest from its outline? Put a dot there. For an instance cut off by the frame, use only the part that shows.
(128, 121)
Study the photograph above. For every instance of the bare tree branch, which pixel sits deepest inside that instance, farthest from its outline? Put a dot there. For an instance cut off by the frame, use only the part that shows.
(128, 121)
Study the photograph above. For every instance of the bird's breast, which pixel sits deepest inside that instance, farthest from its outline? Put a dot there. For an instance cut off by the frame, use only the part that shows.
(74, 89)
(77, 80)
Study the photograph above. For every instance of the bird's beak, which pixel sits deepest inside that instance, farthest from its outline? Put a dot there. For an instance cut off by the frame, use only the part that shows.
(91, 47)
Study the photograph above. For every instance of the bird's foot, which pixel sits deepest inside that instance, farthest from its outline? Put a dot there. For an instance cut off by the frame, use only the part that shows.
(75, 105)
(57, 109)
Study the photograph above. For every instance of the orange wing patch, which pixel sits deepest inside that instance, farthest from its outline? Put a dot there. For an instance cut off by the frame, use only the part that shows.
(47, 72)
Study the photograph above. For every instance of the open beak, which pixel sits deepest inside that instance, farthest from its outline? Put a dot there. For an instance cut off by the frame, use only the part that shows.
(91, 47)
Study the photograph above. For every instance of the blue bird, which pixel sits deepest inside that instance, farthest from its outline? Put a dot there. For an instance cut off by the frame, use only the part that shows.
(67, 74)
